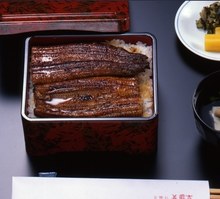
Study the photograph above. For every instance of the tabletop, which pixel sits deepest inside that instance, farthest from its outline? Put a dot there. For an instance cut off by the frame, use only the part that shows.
(181, 152)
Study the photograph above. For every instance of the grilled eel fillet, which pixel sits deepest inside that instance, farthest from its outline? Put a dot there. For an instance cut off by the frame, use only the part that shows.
(79, 60)
(89, 97)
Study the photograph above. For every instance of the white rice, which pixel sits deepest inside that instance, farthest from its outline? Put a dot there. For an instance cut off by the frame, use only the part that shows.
(30, 101)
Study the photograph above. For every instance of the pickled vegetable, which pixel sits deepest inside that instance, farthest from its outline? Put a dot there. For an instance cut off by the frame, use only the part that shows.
(217, 30)
(212, 42)
(209, 18)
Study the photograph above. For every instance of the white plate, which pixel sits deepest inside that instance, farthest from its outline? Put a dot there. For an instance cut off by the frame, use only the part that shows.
(185, 26)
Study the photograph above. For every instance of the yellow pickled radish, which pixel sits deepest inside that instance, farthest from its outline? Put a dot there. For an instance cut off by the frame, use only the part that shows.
(212, 42)
(217, 30)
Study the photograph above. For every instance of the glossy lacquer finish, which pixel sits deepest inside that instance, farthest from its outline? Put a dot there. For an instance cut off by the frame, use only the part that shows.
(45, 136)
(81, 15)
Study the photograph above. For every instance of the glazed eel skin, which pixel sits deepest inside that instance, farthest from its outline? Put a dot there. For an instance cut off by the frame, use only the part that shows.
(86, 80)
(78, 60)
(89, 97)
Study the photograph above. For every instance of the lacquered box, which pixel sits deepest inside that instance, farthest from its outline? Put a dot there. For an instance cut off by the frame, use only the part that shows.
(45, 15)
(124, 135)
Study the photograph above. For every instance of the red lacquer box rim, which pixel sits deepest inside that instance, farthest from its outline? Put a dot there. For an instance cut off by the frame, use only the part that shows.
(103, 37)
(81, 15)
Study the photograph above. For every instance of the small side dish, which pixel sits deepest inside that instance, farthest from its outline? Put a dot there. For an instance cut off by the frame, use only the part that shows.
(206, 108)
(188, 33)
(209, 21)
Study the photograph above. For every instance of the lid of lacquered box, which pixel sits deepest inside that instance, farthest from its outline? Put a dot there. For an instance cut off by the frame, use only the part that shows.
(79, 15)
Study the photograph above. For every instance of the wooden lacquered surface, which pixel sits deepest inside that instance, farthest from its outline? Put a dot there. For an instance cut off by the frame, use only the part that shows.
(82, 15)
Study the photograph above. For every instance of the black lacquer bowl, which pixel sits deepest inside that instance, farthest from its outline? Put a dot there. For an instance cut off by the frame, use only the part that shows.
(205, 97)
